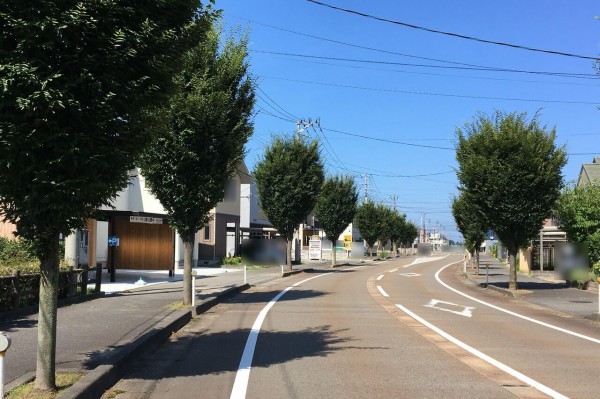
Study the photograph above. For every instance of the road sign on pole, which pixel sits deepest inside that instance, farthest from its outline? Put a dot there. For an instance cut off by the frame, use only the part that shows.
(113, 241)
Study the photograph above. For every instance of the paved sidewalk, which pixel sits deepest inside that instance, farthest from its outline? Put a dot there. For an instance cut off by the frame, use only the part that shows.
(92, 332)
(540, 290)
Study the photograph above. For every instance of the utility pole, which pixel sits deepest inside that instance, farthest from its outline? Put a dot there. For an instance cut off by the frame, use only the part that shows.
(366, 187)
(394, 198)
(302, 125)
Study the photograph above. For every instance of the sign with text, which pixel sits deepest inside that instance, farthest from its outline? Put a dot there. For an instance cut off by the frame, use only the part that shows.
(314, 250)
(113, 241)
(145, 219)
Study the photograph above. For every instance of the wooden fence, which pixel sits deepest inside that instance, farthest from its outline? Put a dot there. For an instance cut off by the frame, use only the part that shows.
(22, 290)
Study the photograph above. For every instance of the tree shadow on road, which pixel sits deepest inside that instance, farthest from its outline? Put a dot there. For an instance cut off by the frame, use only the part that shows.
(201, 354)
(266, 296)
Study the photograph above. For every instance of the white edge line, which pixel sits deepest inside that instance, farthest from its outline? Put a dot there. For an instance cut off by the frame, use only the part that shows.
(415, 262)
(537, 385)
(380, 277)
(242, 376)
(382, 291)
(563, 330)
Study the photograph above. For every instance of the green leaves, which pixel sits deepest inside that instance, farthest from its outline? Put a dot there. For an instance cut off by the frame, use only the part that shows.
(289, 180)
(578, 211)
(202, 130)
(336, 205)
(470, 221)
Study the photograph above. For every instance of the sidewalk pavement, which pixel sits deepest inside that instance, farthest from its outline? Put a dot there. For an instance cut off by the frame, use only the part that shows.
(541, 290)
(93, 332)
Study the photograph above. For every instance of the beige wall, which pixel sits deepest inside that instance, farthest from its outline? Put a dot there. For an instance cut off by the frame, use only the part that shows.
(6, 230)
(524, 260)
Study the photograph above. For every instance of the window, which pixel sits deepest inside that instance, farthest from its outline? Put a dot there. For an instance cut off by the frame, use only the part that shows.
(207, 233)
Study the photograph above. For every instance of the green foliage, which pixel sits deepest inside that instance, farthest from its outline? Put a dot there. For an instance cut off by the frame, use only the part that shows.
(14, 253)
(578, 211)
(206, 124)
(470, 221)
(74, 76)
(385, 217)
(409, 232)
(383, 254)
(596, 269)
(336, 205)
(510, 168)
(580, 277)
(231, 261)
(368, 223)
(289, 178)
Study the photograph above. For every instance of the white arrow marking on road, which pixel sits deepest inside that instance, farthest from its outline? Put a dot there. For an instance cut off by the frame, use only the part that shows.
(467, 310)
(530, 381)
(382, 291)
(424, 260)
(410, 274)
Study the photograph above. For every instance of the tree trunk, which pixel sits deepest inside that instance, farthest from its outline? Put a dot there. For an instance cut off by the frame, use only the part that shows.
(395, 249)
(288, 248)
(188, 253)
(477, 260)
(370, 252)
(46, 345)
(512, 280)
(333, 253)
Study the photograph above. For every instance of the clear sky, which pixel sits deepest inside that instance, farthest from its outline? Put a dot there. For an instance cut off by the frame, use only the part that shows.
(380, 99)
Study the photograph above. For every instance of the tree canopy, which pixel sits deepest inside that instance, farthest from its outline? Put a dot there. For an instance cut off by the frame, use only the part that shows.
(511, 169)
(75, 77)
(202, 132)
(578, 211)
(336, 207)
(368, 223)
(470, 221)
(289, 178)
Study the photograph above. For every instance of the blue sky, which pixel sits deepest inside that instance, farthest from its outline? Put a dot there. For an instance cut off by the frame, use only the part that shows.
(378, 105)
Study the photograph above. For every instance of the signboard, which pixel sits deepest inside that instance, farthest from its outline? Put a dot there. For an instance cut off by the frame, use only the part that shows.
(145, 219)
(347, 241)
(113, 241)
(314, 250)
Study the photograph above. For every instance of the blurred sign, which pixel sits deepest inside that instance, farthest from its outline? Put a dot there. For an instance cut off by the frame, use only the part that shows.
(113, 241)
(348, 241)
(314, 250)
(144, 219)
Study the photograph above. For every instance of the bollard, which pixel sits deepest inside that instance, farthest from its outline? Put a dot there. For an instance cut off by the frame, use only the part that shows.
(194, 287)
(245, 274)
(282, 270)
(487, 275)
(4, 345)
(98, 287)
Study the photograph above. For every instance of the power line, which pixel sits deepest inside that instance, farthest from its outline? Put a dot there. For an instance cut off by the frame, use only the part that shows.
(284, 112)
(374, 49)
(467, 68)
(457, 35)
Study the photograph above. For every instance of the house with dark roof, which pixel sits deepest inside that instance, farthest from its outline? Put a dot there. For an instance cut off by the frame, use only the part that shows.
(590, 173)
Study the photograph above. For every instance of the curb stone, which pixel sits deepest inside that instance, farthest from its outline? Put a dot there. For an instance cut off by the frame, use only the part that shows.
(97, 381)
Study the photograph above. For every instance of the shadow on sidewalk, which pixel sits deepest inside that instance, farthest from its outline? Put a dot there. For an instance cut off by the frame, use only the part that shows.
(530, 285)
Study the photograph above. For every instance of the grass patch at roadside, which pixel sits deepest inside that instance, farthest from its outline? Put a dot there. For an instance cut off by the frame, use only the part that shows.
(176, 305)
(27, 391)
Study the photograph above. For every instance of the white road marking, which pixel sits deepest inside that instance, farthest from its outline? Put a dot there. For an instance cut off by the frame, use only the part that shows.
(467, 310)
(382, 291)
(426, 259)
(392, 271)
(242, 376)
(410, 274)
(564, 330)
(535, 384)
(380, 277)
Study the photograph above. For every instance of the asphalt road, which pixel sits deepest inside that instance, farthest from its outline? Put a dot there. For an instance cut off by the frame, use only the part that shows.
(389, 330)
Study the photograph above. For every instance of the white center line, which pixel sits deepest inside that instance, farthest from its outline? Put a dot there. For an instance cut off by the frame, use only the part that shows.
(437, 277)
(537, 385)
(380, 277)
(382, 291)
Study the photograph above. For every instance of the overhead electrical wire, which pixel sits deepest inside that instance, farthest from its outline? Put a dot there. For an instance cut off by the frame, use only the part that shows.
(467, 68)
(374, 49)
(423, 93)
(453, 34)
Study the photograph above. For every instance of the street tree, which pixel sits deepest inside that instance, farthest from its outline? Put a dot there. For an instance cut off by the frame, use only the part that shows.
(289, 178)
(409, 232)
(511, 169)
(368, 223)
(75, 77)
(203, 130)
(578, 211)
(471, 223)
(336, 207)
(397, 225)
(385, 216)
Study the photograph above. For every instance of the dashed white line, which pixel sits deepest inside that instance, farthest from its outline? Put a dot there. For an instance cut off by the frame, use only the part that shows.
(380, 277)
(564, 330)
(382, 291)
(392, 271)
(535, 384)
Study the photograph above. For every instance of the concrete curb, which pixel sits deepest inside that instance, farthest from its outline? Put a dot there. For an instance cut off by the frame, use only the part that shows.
(29, 310)
(97, 381)
(501, 290)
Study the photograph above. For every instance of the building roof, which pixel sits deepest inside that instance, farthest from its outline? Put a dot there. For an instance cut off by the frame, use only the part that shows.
(590, 172)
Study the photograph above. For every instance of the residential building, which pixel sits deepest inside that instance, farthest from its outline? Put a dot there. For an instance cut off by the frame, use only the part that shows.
(590, 172)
